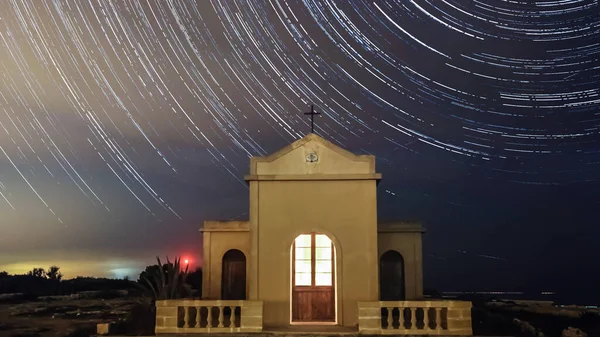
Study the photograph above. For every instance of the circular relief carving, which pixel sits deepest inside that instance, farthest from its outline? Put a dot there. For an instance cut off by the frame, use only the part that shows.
(312, 158)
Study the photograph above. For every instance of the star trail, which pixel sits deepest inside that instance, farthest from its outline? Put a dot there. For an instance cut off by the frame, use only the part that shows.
(127, 117)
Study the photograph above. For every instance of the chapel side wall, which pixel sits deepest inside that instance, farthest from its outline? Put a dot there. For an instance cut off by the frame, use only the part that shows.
(206, 262)
(409, 245)
(220, 243)
(344, 210)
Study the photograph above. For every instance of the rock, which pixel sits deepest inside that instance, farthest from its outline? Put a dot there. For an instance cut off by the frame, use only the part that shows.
(5, 327)
(18, 311)
(104, 328)
(10, 296)
(28, 331)
(97, 294)
(55, 298)
(119, 312)
(525, 326)
(573, 332)
(40, 310)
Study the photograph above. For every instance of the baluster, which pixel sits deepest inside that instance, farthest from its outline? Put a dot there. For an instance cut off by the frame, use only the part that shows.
(186, 317)
(426, 318)
(400, 318)
(209, 318)
(221, 314)
(413, 318)
(233, 318)
(390, 319)
(438, 319)
(198, 318)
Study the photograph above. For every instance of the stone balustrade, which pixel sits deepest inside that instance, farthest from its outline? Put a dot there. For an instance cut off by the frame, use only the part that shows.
(415, 318)
(202, 316)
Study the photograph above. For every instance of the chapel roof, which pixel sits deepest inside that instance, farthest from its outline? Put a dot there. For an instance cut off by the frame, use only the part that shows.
(313, 158)
(225, 226)
(400, 226)
(311, 137)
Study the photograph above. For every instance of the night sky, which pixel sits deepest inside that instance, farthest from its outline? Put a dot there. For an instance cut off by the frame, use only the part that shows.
(125, 124)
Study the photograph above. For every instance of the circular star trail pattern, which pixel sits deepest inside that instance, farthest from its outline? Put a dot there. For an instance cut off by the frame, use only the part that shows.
(100, 95)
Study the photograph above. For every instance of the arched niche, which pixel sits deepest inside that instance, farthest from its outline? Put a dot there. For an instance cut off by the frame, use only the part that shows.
(391, 277)
(233, 276)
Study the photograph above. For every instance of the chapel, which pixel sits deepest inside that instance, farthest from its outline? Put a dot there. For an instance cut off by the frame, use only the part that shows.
(312, 247)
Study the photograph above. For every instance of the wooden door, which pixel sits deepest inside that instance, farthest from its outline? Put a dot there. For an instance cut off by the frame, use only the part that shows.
(233, 277)
(313, 279)
(391, 277)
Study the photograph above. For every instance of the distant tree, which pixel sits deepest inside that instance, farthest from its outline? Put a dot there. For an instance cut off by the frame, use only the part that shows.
(53, 273)
(146, 273)
(194, 279)
(37, 272)
(165, 281)
(3, 274)
(126, 278)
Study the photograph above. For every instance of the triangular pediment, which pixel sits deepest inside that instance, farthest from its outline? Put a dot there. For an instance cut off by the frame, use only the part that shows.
(315, 156)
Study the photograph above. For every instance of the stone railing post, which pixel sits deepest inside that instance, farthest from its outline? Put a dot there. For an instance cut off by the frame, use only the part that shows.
(459, 318)
(390, 318)
(413, 317)
(166, 316)
(198, 316)
(438, 319)
(221, 317)
(369, 317)
(426, 317)
(233, 316)
(252, 316)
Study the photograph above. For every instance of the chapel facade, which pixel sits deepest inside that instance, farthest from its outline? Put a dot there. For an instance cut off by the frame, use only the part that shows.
(312, 248)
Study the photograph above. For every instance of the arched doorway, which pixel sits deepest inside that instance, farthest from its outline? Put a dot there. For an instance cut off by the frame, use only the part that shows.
(313, 278)
(233, 277)
(391, 277)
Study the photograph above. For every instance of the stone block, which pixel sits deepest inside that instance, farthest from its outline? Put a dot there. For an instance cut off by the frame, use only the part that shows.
(454, 314)
(167, 330)
(166, 311)
(459, 313)
(252, 311)
(458, 332)
(252, 305)
(170, 322)
(160, 321)
(369, 324)
(459, 324)
(369, 331)
(250, 322)
(168, 303)
(369, 311)
(252, 329)
(459, 304)
(362, 305)
(104, 328)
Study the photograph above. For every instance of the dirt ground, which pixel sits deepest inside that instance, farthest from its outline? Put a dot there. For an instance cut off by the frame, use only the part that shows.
(72, 317)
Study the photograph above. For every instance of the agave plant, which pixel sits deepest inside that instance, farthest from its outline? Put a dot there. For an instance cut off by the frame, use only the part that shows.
(166, 281)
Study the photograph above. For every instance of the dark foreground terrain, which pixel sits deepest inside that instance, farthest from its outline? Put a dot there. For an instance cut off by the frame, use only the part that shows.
(533, 320)
(74, 317)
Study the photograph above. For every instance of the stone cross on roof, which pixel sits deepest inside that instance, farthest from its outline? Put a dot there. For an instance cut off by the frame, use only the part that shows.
(312, 114)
